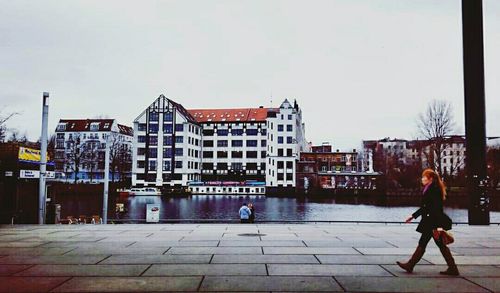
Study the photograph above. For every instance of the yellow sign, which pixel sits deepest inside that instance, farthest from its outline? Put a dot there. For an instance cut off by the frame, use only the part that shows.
(30, 155)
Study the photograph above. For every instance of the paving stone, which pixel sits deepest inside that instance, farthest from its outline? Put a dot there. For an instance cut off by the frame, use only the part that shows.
(52, 259)
(214, 250)
(327, 243)
(207, 270)
(265, 258)
(364, 259)
(309, 250)
(492, 284)
(270, 283)
(84, 270)
(263, 243)
(433, 271)
(21, 244)
(391, 284)
(399, 251)
(129, 284)
(210, 243)
(73, 244)
(29, 284)
(34, 251)
(158, 259)
(117, 250)
(326, 270)
(464, 260)
(473, 251)
(7, 270)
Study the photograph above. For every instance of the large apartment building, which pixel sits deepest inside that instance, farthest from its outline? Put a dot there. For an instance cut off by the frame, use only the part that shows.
(80, 146)
(217, 145)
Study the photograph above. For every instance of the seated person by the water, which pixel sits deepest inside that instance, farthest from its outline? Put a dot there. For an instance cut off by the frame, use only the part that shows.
(245, 213)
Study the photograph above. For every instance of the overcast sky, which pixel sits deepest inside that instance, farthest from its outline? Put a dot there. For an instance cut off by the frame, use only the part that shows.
(359, 69)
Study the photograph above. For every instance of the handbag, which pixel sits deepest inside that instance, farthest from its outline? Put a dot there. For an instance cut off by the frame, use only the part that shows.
(445, 222)
(445, 236)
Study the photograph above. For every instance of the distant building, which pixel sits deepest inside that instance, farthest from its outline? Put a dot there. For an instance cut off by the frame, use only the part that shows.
(80, 149)
(217, 147)
(323, 169)
(167, 146)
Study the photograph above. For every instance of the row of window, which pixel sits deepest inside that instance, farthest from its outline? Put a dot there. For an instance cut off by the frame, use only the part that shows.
(167, 140)
(281, 127)
(234, 154)
(234, 143)
(167, 152)
(234, 132)
(281, 139)
(225, 166)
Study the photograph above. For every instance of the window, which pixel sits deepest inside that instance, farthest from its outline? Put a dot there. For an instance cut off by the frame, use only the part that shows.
(167, 140)
(280, 127)
(251, 166)
(166, 166)
(252, 154)
(280, 176)
(153, 140)
(280, 165)
(289, 127)
(168, 116)
(289, 176)
(153, 128)
(141, 151)
(141, 127)
(252, 131)
(141, 164)
(178, 164)
(221, 166)
(153, 152)
(263, 154)
(251, 143)
(179, 127)
(280, 139)
(167, 152)
(237, 154)
(263, 131)
(289, 139)
(237, 166)
(60, 136)
(152, 165)
(289, 117)
(289, 152)
(208, 132)
(178, 151)
(140, 138)
(179, 139)
(263, 143)
(222, 143)
(207, 166)
(237, 132)
(221, 154)
(208, 143)
(222, 132)
(61, 127)
(167, 128)
(208, 154)
(153, 116)
(289, 165)
(280, 152)
(237, 143)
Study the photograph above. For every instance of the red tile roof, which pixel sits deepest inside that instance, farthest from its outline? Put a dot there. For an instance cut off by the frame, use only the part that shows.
(230, 115)
(84, 125)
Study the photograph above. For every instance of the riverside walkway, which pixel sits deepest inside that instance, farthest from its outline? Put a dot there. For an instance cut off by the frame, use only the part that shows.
(241, 258)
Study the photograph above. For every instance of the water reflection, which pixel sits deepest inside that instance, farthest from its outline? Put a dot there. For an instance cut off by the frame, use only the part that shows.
(275, 209)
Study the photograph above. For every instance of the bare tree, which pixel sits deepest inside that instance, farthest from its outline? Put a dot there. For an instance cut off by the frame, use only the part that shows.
(493, 161)
(75, 154)
(120, 157)
(435, 125)
(3, 124)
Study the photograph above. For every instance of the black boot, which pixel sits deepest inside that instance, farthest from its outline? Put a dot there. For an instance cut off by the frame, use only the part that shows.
(415, 258)
(450, 261)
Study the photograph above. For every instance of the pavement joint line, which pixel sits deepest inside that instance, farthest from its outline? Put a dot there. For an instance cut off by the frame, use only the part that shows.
(305, 244)
(387, 270)
(103, 259)
(164, 253)
(218, 244)
(199, 285)
(211, 258)
(262, 249)
(338, 283)
(25, 269)
(466, 279)
(149, 235)
(74, 248)
(267, 269)
(388, 242)
(147, 268)
(358, 250)
(60, 284)
(131, 244)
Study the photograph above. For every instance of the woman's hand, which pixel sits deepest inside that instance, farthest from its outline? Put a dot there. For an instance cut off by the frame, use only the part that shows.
(409, 219)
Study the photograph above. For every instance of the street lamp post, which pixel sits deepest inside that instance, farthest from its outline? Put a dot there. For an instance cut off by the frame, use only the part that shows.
(106, 181)
(43, 160)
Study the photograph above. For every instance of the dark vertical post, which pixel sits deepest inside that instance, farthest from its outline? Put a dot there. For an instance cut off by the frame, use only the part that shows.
(475, 121)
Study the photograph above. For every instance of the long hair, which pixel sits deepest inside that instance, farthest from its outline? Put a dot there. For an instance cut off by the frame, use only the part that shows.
(431, 174)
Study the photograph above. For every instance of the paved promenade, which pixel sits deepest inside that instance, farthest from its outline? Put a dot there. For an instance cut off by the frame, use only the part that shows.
(232, 257)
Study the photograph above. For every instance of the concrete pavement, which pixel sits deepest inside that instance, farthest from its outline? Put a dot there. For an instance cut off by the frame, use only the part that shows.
(242, 258)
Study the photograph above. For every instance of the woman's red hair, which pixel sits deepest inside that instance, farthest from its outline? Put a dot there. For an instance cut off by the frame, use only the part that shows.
(431, 174)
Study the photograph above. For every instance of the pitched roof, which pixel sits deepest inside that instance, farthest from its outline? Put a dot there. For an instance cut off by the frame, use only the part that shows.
(126, 130)
(84, 124)
(230, 115)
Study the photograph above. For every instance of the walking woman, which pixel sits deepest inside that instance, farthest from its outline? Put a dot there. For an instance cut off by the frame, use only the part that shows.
(431, 210)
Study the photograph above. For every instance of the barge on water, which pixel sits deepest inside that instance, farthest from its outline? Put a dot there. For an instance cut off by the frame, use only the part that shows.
(248, 187)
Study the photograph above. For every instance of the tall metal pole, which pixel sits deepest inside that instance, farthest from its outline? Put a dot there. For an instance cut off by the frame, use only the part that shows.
(106, 182)
(475, 117)
(43, 160)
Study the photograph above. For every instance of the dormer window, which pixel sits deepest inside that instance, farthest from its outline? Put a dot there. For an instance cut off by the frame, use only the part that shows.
(94, 126)
(61, 127)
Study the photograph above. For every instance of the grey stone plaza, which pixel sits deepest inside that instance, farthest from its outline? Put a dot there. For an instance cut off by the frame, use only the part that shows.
(240, 258)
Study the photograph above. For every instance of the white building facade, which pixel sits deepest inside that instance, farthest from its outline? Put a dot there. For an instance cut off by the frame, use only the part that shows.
(167, 146)
(80, 146)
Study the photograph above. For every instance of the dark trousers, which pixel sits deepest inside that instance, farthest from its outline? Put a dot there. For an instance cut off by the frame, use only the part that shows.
(243, 221)
(426, 237)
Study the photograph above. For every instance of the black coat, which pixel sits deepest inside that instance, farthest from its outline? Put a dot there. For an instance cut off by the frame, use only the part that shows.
(431, 210)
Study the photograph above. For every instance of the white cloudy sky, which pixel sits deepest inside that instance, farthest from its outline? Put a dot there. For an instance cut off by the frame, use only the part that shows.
(359, 69)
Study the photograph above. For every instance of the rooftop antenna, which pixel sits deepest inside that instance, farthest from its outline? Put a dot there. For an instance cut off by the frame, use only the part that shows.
(271, 99)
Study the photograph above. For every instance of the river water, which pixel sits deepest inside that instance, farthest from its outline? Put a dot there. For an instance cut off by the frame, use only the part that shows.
(221, 207)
